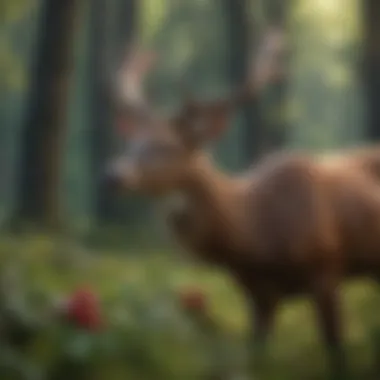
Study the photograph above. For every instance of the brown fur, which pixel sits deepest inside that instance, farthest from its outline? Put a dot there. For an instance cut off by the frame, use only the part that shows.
(288, 196)
(295, 223)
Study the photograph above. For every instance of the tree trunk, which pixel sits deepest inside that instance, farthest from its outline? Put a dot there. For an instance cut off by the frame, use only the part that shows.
(240, 43)
(276, 14)
(103, 56)
(44, 133)
(372, 66)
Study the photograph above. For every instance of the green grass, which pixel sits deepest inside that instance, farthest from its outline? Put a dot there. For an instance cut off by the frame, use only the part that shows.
(296, 349)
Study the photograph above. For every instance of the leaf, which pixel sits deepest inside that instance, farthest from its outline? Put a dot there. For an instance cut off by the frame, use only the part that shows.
(79, 346)
(14, 10)
(10, 64)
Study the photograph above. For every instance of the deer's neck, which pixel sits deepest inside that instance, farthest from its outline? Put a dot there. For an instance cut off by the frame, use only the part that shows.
(203, 185)
(208, 187)
(214, 203)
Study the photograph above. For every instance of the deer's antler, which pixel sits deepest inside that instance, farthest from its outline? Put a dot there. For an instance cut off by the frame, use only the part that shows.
(131, 75)
(127, 93)
(265, 69)
(266, 66)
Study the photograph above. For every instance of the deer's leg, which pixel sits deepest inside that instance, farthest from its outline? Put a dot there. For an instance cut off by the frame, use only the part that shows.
(328, 310)
(263, 318)
(262, 301)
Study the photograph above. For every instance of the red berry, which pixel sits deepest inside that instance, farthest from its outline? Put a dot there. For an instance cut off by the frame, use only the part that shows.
(193, 300)
(83, 309)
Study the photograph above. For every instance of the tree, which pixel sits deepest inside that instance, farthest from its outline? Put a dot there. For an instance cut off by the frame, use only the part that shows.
(239, 41)
(43, 137)
(372, 65)
(107, 43)
(260, 133)
(275, 12)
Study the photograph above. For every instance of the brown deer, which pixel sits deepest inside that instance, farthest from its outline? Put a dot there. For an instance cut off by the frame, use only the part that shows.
(294, 224)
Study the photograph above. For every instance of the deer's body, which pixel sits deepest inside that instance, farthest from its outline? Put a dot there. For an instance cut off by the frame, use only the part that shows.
(289, 211)
(296, 223)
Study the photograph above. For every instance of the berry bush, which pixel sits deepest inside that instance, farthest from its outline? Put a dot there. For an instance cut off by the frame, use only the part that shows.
(65, 313)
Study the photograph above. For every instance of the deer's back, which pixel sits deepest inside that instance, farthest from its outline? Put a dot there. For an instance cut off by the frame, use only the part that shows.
(290, 214)
(292, 211)
(366, 160)
(304, 211)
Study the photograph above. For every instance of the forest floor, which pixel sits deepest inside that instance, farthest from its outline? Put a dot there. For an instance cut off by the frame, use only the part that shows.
(146, 279)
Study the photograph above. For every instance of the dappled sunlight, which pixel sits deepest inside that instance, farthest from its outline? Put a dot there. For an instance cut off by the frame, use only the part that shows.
(134, 244)
(326, 56)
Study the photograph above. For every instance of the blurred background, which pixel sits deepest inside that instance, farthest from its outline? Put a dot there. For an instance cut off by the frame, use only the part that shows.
(64, 235)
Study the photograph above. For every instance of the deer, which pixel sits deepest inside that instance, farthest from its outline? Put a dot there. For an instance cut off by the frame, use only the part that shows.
(294, 224)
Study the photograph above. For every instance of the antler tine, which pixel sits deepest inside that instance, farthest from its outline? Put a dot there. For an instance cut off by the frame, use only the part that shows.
(264, 70)
(127, 83)
(134, 67)
(266, 65)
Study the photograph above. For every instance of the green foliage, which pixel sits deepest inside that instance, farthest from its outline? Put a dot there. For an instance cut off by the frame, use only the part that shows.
(14, 10)
(190, 38)
(12, 13)
(323, 87)
(148, 332)
(9, 64)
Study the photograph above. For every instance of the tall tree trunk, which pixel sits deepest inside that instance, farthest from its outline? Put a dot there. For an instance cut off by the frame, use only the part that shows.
(372, 65)
(239, 32)
(104, 53)
(276, 12)
(45, 125)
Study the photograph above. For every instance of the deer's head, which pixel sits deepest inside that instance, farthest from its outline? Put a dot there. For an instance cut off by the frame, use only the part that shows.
(160, 151)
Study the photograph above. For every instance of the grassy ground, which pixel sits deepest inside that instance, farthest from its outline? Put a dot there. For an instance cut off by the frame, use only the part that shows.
(295, 348)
